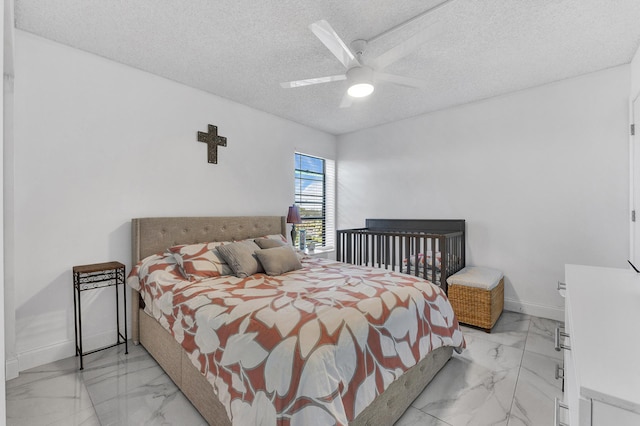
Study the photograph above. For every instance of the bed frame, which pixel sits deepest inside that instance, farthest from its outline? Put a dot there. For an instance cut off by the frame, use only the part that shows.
(388, 243)
(154, 235)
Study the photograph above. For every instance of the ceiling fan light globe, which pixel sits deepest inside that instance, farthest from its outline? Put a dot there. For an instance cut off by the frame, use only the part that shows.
(360, 90)
(360, 81)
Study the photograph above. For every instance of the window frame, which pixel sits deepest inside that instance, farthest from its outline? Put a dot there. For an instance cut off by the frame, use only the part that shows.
(299, 196)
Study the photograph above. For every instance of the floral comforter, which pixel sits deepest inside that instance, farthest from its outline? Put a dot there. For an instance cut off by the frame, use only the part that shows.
(312, 346)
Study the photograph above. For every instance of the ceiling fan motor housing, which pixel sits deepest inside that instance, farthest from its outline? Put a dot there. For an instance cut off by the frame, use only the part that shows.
(358, 47)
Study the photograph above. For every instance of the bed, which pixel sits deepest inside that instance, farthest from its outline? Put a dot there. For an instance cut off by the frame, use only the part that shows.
(433, 249)
(376, 393)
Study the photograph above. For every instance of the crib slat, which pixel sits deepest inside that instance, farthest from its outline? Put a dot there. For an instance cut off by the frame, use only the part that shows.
(386, 252)
(407, 253)
(443, 264)
(415, 255)
(401, 253)
(393, 253)
(434, 260)
(423, 251)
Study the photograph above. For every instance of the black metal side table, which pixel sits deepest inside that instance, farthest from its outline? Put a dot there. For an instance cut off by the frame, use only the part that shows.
(91, 277)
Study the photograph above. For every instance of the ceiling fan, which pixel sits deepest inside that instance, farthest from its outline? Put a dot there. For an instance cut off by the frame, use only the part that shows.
(361, 76)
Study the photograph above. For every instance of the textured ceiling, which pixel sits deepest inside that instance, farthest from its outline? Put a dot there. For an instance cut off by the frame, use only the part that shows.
(243, 49)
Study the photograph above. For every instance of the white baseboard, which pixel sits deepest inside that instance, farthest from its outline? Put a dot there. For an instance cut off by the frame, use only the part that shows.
(40, 356)
(11, 368)
(543, 311)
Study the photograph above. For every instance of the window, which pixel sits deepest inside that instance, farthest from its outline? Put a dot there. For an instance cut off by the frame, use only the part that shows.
(314, 183)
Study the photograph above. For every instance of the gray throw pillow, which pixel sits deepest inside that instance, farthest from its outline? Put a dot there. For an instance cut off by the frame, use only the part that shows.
(267, 243)
(278, 260)
(241, 257)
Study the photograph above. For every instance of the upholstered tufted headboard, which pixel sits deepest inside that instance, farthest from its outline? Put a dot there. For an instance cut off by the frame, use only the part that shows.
(155, 234)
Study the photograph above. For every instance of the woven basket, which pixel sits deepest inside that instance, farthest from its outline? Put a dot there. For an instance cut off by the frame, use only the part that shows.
(477, 306)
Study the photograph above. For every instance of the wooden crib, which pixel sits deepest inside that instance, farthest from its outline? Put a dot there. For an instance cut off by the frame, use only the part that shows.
(431, 249)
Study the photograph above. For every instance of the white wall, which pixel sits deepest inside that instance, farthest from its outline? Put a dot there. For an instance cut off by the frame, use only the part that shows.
(541, 177)
(635, 74)
(97, 143)
(11, 362)
(6, 68)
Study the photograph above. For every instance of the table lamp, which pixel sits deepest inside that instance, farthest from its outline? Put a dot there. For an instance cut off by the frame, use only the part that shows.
(293, 217)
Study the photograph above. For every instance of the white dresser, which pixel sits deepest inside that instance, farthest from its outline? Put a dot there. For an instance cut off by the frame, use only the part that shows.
(602, 366)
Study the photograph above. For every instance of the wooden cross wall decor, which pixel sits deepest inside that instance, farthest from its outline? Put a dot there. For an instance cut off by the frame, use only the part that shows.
(213, 141)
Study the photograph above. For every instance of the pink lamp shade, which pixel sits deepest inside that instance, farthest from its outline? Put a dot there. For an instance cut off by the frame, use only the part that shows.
(294, 215)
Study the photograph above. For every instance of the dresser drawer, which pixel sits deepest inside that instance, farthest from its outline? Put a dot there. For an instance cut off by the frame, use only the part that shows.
(605, 414)
(579, 407)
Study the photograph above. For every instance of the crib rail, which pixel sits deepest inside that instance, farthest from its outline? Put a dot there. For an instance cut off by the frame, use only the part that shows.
(432, 256)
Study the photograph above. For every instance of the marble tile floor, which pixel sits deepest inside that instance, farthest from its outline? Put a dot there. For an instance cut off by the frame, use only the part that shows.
(503, 378)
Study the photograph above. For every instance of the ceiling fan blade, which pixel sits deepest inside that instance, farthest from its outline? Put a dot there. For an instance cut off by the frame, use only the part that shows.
(347, 101)
(401, 50)
(334, 43)
(402, 81)
(310, 81)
